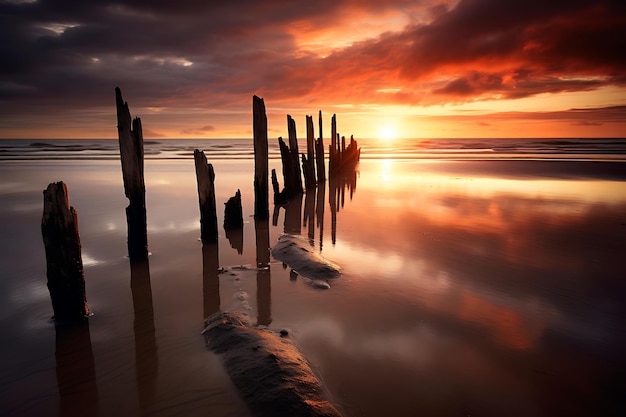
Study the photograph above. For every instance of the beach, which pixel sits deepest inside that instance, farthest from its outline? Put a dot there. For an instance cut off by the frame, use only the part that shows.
(475, 280)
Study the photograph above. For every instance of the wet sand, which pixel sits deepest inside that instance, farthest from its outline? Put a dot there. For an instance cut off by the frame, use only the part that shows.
(468, 288)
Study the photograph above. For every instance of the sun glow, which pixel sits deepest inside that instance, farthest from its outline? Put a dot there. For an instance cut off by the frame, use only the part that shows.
(387, 133)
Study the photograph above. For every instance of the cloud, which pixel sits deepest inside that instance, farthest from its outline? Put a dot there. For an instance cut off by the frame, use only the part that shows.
(194, 54)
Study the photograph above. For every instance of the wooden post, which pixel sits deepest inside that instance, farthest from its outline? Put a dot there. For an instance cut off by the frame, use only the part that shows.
(294, 159)
(66, 280)
(333, 145)
(206, 195)
(131, 155)
(261, 186)
(233, 222)
(279, 197)
(308, 161)
(233, 212)
(319, 154)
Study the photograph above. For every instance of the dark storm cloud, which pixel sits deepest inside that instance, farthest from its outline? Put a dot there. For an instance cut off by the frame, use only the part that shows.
(217, 54)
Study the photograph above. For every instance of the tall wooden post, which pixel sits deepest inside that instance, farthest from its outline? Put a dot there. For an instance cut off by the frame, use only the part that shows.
(308, 162)
(332, 154)
(66, 280)
(206, 195)
(261, 186)
(295, 155)
(131, 155)
(319, 155)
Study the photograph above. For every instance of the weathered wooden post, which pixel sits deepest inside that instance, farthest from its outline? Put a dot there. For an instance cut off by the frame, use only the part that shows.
(296, 172)
(233, 222)
(131, 155)
(233, 212)
(66, 279)
(319, 155)
(279, 197)
(261, 186)
(332, 152)
(206, 195)
(308, 161)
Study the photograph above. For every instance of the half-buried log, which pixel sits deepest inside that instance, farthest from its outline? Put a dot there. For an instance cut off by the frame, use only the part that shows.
(271, 375)
(300, 257)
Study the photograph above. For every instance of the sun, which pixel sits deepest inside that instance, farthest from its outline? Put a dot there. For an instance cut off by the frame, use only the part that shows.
(387, 133)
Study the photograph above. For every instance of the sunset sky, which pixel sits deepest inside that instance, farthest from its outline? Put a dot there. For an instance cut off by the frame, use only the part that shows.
(396, 68)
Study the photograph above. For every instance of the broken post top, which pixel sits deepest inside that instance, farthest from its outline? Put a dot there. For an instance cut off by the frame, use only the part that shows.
(130, 136)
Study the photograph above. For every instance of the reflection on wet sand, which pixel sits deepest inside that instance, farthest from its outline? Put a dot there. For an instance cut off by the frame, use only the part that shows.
(75, 370)
(320, 203)
(235, 238)
(210, 279)
(309, 214)
(263, 277)
(337, 198)
(146, 357)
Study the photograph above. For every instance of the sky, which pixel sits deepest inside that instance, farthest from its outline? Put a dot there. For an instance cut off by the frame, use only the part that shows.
(392, 69)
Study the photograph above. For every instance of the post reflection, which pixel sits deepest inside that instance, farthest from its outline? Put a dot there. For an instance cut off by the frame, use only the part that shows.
(210, 279)
(235, 238)
(293, 215)
(263, 278)
(75, 371)
(337, 188)
(319, 210)
(309, 215)
(146, 357)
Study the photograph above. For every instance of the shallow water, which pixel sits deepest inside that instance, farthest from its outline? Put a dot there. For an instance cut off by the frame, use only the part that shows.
(469, 288)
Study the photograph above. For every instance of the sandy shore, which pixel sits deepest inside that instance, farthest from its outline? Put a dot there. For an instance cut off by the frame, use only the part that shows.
(467, 287)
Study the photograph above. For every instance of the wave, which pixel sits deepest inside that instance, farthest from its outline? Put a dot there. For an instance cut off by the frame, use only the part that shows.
(613, 149)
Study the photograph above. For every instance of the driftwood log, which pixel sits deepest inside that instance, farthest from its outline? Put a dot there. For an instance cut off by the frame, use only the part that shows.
(66, 279)
(272, 376)
(131, 154)
(261, 186)
(206, 196)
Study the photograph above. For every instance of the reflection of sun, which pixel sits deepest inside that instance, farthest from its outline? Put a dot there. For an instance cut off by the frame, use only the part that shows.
(387, 133)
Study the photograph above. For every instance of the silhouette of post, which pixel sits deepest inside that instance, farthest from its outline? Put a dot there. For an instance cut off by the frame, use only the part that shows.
(261, 186)
(319, 154)
(332, 152)
(308, 161)
(206, 196)
(210, 279)
(64, 264)
(263, 277)
(233, 222)
(295, 155)
(131, 155)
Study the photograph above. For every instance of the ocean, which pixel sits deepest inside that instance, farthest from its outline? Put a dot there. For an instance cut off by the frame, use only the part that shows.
(613, 149)
(478, 277)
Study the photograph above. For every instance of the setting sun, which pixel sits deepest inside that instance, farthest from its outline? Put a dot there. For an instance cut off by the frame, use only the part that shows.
(387, 133)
